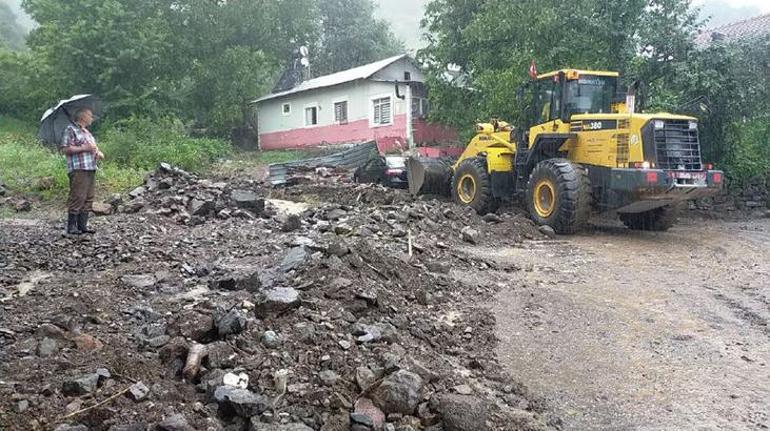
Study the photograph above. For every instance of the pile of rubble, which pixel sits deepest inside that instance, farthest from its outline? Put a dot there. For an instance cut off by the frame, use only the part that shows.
(175, 193)
(329, 316)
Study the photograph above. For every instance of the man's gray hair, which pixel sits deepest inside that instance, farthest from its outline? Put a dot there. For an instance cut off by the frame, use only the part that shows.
(79, 112)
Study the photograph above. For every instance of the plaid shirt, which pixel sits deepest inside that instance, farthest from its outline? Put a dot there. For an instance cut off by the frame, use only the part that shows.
(75, 135)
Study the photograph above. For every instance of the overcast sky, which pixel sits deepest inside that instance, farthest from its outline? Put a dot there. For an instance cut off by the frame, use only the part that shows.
(405, 15)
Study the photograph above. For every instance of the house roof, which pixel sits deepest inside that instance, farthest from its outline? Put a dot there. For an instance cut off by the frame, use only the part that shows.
(751, 28)
(356, 73)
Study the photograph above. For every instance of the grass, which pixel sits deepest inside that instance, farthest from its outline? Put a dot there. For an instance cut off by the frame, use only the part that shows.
(132, 148)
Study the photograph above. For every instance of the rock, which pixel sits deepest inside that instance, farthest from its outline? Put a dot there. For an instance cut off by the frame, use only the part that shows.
(277, 300)
(491, 218)
(139, 281)
(364, 407)
(470, 235)
(547, 231)
(292, 223)
(249, 200)
(463, 389)
(21, 406)
(101, 209)
(240, 402)
(114, 200)
(47, 347)
(256, 425)
(271, 340)
(138, 391)
(81, 386)
(236, 277)
(137, 192)
(364, 378)
(104, 375)
(133, 206)
(68, 427)
(328, 377)
(240, 380)
(221, 355)
(159, 341)
(400, 392)
(361, 419)
(336, 214)
(345, 344)
(421, 370)
(295, 259)
(231, 323)
(343, 229)
(338, 249)
(463, 413)
(87, 343)
(439, 267)
(193, 325)
(175, 422)
(367, 333)
(199, 207)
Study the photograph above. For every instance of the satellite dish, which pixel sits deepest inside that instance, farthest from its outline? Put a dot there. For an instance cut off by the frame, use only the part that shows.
(304, 62)
(303, 51)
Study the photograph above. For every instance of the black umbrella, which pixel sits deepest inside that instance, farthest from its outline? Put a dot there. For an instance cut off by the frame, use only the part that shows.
(56, 119)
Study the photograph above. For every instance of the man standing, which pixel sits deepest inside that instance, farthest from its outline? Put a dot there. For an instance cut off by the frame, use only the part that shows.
(79, 146)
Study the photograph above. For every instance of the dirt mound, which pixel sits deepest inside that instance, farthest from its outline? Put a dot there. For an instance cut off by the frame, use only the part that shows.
(346, 315)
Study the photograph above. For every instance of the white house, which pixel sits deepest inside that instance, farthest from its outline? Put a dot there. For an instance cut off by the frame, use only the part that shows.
(360, 104)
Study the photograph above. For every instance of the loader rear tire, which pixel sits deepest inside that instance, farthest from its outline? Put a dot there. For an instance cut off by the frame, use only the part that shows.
(658, 220)
(559, 195)
(472, 186)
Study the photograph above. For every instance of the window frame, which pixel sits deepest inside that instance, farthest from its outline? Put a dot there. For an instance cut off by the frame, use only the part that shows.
(346, 101)
(372, 99)
(283, 109)
(317, 115)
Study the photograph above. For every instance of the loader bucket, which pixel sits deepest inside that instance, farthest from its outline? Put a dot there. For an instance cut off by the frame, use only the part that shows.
(428, 175)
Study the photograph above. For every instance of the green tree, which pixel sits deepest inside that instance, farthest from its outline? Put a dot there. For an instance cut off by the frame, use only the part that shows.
(351, 36)
(493, 42)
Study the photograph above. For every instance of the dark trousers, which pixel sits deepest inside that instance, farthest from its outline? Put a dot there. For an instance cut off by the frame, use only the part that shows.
(81, 197)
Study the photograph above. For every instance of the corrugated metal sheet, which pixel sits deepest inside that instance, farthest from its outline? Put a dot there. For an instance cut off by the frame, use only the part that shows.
(350, 157)
(361, 72)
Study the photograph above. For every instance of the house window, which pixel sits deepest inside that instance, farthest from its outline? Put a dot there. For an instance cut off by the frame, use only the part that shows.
(286, 109)
(341, 112)
(381, 111)
(311, 116)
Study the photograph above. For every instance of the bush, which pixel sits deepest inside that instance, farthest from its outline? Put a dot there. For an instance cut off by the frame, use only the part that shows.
(140, 143)
(749, 155)
(131, 147)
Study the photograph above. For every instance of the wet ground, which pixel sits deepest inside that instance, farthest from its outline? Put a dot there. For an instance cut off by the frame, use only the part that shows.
(623, 330)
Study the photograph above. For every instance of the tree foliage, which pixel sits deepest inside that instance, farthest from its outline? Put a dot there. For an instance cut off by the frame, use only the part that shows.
(199, 60)
(494, 41)
(351, 36)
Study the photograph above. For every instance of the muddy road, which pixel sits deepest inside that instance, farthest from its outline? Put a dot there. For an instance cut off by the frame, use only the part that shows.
(622, 330)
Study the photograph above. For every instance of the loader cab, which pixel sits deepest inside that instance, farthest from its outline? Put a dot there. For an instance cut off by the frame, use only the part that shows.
(561, 94)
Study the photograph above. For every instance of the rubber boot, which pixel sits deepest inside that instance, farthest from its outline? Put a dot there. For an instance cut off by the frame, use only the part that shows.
(72, 224)
(83, 223)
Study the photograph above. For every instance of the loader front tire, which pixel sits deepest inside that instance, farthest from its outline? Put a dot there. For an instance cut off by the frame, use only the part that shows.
(658, 220)
(472, 186)
(559, 195)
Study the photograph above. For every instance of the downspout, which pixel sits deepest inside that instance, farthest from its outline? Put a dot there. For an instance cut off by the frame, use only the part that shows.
(407, 98)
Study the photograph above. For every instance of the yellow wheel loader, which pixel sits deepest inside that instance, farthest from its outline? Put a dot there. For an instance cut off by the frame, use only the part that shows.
(581, 149)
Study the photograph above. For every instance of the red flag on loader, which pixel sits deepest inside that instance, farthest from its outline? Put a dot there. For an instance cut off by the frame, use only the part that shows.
(533, 70)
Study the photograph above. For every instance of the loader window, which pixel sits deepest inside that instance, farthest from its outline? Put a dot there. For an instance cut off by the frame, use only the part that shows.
(547, 101)
(590, 95)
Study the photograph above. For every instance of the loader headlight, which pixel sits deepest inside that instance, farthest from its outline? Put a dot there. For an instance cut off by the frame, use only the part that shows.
(693, 125)
(659, 124)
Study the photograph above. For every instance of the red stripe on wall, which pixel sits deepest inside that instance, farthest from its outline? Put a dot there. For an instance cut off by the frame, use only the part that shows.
(389, 138)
